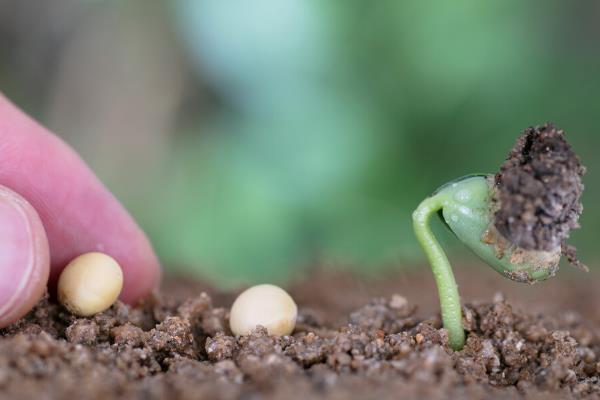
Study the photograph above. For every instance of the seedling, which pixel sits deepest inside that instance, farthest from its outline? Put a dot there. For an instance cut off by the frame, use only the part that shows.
(516, 221)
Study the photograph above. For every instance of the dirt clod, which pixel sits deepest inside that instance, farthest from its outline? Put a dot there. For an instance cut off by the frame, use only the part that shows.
(82, 331)
(538, 190)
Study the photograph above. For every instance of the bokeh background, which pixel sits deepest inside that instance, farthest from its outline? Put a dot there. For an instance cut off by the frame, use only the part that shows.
(255, 139)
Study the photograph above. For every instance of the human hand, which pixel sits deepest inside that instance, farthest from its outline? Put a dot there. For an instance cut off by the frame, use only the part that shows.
(52, 209)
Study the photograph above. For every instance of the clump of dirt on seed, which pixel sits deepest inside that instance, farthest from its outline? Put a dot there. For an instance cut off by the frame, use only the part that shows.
(184, 350)
(538, 190)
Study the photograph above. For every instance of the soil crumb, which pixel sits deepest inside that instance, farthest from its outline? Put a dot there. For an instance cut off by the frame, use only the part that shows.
(182, 349)
(539, 188)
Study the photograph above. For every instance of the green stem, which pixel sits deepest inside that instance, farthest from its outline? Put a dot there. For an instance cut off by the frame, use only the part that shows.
(444, 278)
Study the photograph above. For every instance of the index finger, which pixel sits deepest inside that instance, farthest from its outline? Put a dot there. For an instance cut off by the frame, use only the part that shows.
(77, 211)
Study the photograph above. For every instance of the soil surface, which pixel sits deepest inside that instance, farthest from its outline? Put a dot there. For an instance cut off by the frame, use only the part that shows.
(355, 338)
(539, 188)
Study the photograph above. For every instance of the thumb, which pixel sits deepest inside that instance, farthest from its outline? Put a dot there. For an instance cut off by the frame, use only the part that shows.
(24, 257)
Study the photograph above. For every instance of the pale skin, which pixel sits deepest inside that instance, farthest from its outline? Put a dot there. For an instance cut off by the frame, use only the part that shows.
(52, 209)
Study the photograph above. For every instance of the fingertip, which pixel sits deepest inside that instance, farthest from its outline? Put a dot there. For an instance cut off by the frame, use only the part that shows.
(78, 213)
(24, 257)
(142, 272)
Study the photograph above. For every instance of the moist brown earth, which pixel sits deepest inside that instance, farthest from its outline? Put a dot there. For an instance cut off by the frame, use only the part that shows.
(539, 188)
(177, 345)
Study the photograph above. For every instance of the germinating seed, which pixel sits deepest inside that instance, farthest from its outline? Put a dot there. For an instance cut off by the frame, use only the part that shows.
(90, 284)
(265, 305)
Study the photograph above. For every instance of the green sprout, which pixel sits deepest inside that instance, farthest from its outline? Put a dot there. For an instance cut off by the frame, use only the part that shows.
(464, 206)
(504, 222)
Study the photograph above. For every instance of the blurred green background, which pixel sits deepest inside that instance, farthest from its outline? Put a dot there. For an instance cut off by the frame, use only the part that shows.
(254, 139)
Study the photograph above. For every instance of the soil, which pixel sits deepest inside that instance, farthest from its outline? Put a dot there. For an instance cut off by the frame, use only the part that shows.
(355, 338)
(539, 188)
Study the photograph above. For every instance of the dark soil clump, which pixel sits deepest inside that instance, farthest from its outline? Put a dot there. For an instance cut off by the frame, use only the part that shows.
(169, 348)
(539, 188)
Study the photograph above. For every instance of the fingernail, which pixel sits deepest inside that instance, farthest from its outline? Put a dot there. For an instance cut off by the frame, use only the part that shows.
(16, 253)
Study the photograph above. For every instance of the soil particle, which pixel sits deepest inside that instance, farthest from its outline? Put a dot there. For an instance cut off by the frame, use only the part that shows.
(127, 335)
(172, 337)
(193, 309)
(183, 350)
(82, 331)
(570, 253)
(220, 347)
(538, 189)
(391, 316)
(215, 320)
